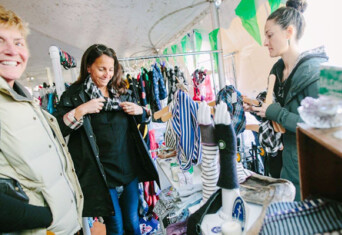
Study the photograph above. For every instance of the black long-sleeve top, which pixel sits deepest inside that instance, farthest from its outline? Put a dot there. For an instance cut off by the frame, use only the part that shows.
(16, 215)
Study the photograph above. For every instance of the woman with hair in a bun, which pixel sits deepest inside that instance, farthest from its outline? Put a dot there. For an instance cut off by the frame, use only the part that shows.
(297, 76)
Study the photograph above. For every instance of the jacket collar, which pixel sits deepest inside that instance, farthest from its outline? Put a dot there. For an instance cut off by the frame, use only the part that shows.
(5, 88)
(307, 76)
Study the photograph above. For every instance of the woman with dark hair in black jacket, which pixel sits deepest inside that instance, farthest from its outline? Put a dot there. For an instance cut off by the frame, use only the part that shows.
(110, 156)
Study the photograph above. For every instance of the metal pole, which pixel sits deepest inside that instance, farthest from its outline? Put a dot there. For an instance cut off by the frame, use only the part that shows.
(171, 55)
(216, 24)
(57, 70)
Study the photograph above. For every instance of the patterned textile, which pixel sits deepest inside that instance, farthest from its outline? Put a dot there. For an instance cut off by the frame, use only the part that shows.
(187, 130)
(142, 89)
(148, 226)
(209, 94)
(94, 92)
(172, 76)
(170, 136)
(153, 143)
(210, 171)
(177, 228)
(172, 208)
(242, 173)
(306, 217)
(134, 87)
(198, 77)
(70, 120)
(235, 109)
(270, 140)
(158, 85)
(171, 84)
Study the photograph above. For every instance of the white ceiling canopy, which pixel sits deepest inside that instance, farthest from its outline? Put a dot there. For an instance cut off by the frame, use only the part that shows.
(130, 27)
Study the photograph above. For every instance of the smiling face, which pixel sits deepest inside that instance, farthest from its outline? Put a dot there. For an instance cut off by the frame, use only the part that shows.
(276, 39)
(102, 71)
(13, 54)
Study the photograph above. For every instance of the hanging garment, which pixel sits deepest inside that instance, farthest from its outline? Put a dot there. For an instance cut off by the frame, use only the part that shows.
(315, 216)
(153, 144)
(171, 84)
(187, 130)
(134, 87)
(142, 88)
(234, 102)
(198, 77)
(164, 73)
(172, 76)
(209, 94)
(158, 85)
(67, 60)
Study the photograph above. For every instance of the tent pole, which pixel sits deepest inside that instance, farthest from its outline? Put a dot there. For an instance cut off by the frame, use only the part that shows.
(216, 24)
(171, 55)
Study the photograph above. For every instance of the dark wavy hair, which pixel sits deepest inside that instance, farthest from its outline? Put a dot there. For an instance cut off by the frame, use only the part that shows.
(89, 57)
(291, 15)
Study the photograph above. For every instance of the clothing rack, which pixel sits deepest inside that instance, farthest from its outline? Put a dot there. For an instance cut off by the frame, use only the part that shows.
(170, 55)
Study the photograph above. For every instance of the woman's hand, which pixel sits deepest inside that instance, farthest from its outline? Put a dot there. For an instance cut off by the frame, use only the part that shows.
(247, 107)
(131, 108)
(92, 106)
(260, 111)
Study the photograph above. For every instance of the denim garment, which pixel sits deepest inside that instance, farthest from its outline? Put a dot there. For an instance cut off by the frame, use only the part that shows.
(158, 84)
(126, 219)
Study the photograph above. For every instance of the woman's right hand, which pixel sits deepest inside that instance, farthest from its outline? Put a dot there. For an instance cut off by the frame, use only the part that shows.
(247, 107)
(92, 106)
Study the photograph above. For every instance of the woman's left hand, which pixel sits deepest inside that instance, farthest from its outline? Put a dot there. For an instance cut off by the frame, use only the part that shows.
(260, 111)
(131, 108)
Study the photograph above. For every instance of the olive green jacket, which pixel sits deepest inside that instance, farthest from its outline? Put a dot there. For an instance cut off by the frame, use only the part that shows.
(305, 82)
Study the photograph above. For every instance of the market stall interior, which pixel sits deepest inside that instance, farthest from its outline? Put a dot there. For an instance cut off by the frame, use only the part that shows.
(193, 65)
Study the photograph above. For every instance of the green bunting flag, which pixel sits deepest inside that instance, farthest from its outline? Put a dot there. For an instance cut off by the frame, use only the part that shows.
(247, 12)
(175, 50)
(213, 44)
(185, 42)
(274, 4)
(198, 41)
(165, 53)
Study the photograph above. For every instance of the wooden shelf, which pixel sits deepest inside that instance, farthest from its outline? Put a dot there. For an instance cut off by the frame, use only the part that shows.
(320, 162)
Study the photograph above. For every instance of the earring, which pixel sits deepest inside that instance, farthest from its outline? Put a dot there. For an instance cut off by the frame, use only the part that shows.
(288, 42)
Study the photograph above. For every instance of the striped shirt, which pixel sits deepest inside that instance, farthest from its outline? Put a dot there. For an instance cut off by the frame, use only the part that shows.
(315, 216)
(187, 130)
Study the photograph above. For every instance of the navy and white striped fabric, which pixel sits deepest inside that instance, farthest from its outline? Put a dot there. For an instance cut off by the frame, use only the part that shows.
(187, 130)
(315, 216)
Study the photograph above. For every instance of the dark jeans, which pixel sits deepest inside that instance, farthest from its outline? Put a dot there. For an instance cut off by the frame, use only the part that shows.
(126, 219)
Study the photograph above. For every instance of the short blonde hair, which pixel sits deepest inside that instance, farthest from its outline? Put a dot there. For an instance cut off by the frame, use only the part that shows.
(9, 19)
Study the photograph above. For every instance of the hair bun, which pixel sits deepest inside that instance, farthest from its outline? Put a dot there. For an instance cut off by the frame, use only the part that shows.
(299, 5)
